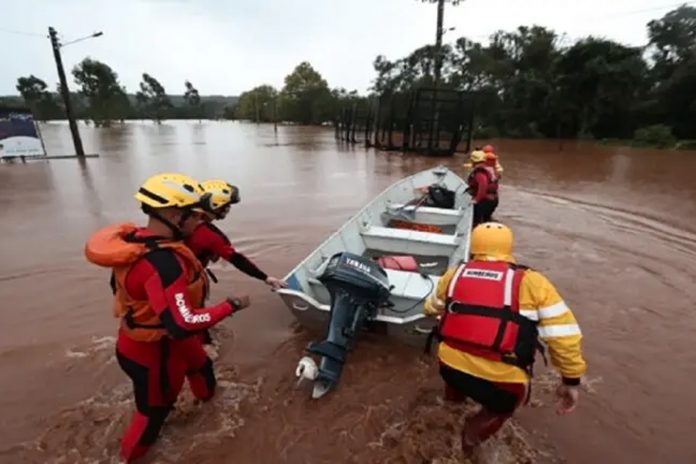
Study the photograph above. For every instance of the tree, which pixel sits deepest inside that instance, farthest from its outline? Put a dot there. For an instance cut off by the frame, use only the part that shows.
(523, 71)
(527, 85)
(99, 85)
(229, 112)
(42, 104)
(602, 80)
(673, 40)
(257, 104)
(123, 106)
(673, 45)
(32, 89)
(193, 100)
(387, 75)
(306, 98)
(153, 98)
(416, 69)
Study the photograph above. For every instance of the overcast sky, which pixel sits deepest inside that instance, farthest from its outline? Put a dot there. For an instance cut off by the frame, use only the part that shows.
(228, 46)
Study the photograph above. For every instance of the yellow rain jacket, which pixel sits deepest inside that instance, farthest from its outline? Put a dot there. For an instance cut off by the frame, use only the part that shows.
(538, 301)
(498, 168)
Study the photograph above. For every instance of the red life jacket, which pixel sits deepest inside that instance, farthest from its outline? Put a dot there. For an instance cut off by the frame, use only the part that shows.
(482, 316)
(492, 192)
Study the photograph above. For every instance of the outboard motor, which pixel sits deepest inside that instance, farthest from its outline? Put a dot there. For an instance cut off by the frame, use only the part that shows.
(358, 286)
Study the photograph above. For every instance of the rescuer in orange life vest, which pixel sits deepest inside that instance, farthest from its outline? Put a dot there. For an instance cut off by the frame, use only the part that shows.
(492, 314)
(483, 187)
(159, 287)
(492, 160)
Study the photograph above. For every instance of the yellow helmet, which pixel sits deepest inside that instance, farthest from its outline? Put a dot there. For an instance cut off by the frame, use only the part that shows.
(222, 193)
(493, 241)
(171, 189)
(477, 156)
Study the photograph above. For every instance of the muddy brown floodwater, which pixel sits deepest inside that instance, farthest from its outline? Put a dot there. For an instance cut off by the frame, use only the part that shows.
(613, 228)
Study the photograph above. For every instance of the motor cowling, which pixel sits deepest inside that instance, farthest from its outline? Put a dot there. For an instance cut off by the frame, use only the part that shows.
(362, 278)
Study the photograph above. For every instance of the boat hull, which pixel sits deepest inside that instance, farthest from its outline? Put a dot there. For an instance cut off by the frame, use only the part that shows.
(369, 234)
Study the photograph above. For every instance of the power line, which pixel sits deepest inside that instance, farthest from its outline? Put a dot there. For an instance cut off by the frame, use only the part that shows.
(609, 16)
(30, 34)
(654, 8)
(634, 12)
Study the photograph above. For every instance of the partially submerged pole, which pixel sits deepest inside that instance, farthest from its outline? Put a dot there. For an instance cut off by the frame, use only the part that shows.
(65, 92)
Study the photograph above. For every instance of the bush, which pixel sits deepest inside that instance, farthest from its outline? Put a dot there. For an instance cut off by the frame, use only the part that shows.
(485, 132)
(686, 145)
(612, 142)
(659, 136)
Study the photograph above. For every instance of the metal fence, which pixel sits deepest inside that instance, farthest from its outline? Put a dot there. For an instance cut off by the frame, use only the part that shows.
(427, 121)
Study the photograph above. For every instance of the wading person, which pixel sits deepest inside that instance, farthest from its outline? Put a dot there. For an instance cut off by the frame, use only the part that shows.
(493, 312)
(483, 187)
(492, 160)
(159, 287)
(210, 244)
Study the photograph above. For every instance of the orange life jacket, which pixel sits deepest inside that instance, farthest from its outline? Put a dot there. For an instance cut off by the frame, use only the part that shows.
(399, 224)
(491, 160)
(483, 318)
(117, 247)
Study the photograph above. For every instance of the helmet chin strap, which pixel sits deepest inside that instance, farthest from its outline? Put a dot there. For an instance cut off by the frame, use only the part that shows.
(218, 212)
(184, 217)
(176, 229)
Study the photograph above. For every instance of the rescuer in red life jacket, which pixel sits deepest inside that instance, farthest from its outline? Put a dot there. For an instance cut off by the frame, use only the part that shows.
(492, 314)
(483, 187)
(159, 288)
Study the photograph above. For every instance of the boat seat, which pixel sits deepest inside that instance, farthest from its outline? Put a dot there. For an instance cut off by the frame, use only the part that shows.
(425, 214)
(411, 285)
(409, 235)
(409, 242)
(455, 213)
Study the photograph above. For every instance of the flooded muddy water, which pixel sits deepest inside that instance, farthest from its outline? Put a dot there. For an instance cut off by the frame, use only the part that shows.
(613, 228)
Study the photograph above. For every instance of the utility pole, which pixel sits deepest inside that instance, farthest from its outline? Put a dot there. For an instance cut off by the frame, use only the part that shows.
(275, 115)
(79, 151)
(438, 40)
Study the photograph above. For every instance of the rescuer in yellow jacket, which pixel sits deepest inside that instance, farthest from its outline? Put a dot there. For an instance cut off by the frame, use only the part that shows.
(493, 312)
(491, 158)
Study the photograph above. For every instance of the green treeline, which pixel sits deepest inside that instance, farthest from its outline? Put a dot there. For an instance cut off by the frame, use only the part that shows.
(101, 98)
(530, 83)
(527, 83)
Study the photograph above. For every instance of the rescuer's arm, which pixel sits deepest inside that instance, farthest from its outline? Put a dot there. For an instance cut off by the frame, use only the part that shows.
(167, 295)
(557, 326)
(435, 304)
(245, 265)
(217, 242)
